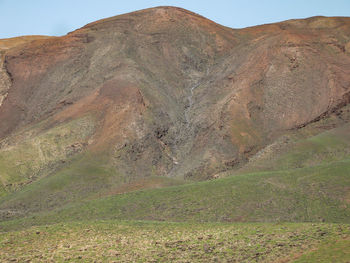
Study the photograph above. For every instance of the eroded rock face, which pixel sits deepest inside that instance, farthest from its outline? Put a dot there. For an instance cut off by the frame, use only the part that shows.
(5, 81)
(6, 44)
(174, 94)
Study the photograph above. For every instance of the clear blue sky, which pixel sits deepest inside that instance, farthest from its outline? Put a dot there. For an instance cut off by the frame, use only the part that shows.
(57, 17)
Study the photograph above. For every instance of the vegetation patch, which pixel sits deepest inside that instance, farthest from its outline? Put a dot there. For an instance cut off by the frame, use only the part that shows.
(135, 241)
(25, 158)
(316, 194)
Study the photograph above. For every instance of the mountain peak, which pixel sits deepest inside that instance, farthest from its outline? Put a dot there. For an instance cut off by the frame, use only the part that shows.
(160, 14)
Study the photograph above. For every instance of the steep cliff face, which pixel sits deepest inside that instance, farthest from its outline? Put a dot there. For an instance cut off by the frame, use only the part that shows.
(166, 92)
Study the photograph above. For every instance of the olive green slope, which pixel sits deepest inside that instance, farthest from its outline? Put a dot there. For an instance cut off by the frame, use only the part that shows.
(321, 142)
(317, 194)
(37, 151)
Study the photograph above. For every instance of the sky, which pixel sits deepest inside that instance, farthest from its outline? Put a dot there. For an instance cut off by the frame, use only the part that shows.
(58, 17)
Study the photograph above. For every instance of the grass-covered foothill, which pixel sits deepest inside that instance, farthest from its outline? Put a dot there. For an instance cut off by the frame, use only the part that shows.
(316, 194)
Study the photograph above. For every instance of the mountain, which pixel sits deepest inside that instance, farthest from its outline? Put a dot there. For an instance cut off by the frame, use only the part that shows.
(164, 115)
(163, 95)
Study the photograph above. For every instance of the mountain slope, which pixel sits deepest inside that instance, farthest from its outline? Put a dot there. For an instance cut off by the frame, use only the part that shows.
(157, 93)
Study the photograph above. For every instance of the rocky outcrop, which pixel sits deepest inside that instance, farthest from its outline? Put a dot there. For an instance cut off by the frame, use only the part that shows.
(5, 80)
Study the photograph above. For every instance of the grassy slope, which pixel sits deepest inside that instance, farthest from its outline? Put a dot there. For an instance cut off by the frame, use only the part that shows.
(85, 177)
(29, 156)
(320, 193)
(134, 241)
(304, 149)
(331, 251)
(25, 158)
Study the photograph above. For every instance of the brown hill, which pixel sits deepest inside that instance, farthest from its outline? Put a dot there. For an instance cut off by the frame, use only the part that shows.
(165, 92)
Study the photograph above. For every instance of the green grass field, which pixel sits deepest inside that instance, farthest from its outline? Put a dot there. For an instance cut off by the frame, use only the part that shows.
(316, 194)
(140, 241)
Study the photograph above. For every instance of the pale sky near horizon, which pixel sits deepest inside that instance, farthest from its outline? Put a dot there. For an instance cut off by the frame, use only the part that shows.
(58, 17)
